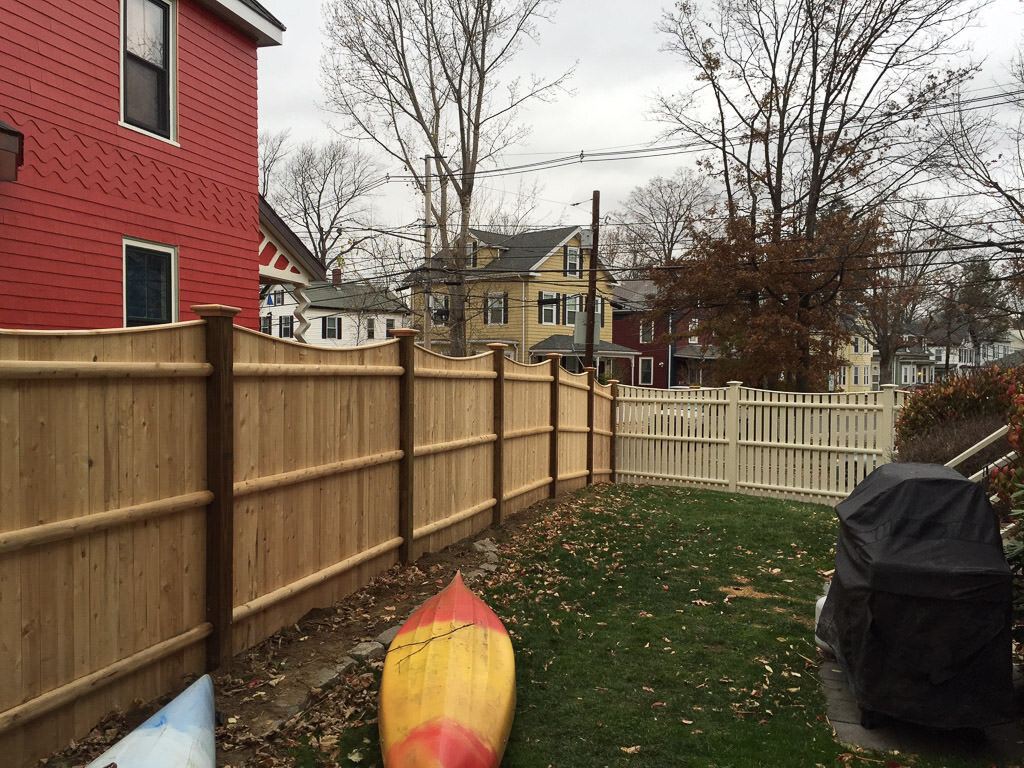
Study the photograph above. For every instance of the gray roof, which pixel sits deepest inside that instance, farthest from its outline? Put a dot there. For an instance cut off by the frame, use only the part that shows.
(1012, 360)
(562, 342)
(525, 251)
(633, 295)
(354, 297)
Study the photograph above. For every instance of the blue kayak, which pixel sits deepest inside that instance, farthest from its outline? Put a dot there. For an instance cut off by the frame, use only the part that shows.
(178, 736)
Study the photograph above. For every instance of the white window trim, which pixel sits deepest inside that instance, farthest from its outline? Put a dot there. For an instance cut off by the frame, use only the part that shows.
(549, 301)
(130, 242)
(578, 271)
(172, 88)
(647, 325)
(495, 301)
(640, 372)
(576, 301)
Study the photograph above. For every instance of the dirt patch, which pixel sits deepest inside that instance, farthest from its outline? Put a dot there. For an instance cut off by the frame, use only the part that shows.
(302, 678)
(748, 591)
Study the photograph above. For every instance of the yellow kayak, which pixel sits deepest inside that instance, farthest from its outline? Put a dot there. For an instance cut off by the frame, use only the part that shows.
(448, 690)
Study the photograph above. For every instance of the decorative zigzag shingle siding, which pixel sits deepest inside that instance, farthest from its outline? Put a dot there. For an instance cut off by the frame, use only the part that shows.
(87, 182)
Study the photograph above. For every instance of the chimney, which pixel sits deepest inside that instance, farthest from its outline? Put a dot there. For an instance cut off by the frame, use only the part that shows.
(336, 276)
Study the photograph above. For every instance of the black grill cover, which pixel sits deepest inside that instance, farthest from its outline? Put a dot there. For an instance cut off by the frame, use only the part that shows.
(919, 609)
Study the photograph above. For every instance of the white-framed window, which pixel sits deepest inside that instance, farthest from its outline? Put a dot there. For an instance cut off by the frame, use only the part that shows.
(876, 373)
(150, 283)
(646, 372)
(496, 309)
(389, 326)
(573, 305)
(856, 375)
(599, 308)
(267, 324)
(906, 374)
(573, 261)
(856, 345)
(148, 61)
(547, 308)
(842, 376)
(647, 332)
(276, 298)
(330, 327)
(472, 252)
(285, 329)
(694, 337)
(371, 328)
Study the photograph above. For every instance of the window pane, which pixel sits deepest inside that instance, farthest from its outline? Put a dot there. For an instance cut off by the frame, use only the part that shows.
(147, 287)
(145, 97)
(146, 31)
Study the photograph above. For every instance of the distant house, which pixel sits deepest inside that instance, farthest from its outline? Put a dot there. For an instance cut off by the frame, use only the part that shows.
(527, 291)
(339, 313)
(670, 353)
(128, 160)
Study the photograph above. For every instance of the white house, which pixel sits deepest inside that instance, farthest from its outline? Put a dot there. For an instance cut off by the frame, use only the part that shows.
(339, 313)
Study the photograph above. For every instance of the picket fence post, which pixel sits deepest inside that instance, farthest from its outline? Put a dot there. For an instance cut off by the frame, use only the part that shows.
(732, 434)
(887, 423)
(613, 427)
(591, 385)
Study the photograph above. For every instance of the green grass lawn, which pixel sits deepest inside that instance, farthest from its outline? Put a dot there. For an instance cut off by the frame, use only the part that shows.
(665, 627)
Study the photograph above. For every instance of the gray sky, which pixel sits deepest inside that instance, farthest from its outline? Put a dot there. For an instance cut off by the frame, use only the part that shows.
(619, 66)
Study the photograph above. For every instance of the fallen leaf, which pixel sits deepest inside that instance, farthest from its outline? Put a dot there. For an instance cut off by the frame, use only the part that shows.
(631, 750)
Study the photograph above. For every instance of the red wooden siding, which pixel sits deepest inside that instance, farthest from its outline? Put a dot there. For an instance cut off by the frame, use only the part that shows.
(88, 182)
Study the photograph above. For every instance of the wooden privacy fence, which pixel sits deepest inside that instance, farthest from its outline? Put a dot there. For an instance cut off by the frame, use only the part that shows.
(170, 496)
(812, 447)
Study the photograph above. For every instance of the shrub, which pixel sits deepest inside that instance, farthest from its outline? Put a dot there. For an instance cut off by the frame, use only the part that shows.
(988, 393)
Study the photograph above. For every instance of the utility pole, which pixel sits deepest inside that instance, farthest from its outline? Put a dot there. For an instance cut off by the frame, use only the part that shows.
(588, 355)
(427, 226)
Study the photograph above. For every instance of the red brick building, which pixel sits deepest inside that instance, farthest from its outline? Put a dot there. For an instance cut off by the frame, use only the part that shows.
(136, 192)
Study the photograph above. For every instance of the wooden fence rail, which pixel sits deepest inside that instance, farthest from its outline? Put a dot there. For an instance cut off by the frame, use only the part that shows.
(812, 447)
(173, 495)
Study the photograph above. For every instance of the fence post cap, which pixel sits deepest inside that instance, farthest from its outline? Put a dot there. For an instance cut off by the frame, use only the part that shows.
(497, 345)
(553, 355)
(734, 383)
(403, 332)
(215, 310)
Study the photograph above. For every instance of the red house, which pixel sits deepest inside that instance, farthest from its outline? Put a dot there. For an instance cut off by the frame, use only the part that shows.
(130, 128)
(669, 356)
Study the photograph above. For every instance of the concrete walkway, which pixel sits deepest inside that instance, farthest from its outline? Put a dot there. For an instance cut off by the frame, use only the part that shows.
(1003, 743)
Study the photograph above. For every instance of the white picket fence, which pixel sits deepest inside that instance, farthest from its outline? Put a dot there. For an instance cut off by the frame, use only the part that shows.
(811, 447)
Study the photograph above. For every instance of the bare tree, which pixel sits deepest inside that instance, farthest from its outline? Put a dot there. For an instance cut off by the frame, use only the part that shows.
(273, 148)
(657, 219)
(423, 78)
(813, 103)
(818, 114)
(322, 191)
(510, 212)
(903, 283)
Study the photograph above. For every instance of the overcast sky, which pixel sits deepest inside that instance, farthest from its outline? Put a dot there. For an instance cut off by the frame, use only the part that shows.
(619, 66)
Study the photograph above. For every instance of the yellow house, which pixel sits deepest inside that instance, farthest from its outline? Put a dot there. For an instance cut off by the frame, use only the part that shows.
(860, 372)
(528, 291)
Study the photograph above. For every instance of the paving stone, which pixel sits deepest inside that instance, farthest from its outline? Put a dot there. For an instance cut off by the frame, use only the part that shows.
(491, 557)
(485, 545)
(489, 567)
(367, 651)
(388, 635)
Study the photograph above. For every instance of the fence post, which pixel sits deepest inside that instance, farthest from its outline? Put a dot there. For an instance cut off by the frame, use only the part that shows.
(591, 382)
(406, 441)
(498, 463)
(732, 435)
(220, 477)
(613, 427)
(555, 359)
(887, 424)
